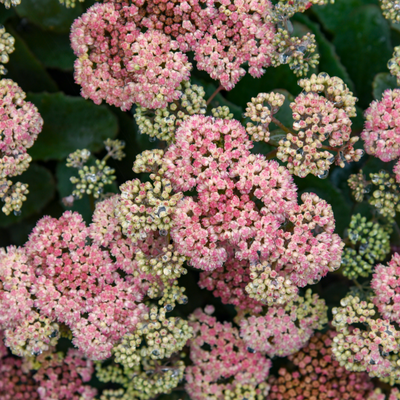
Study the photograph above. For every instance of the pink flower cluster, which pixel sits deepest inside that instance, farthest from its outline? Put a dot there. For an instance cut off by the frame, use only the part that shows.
(382, 128)
(318, 376)
(127, 53)
(220, 355)
(119, 64)
(233, 33)
(15, 382)
(58, 378)
(246, 209)
(282, 331)
(20, 124)
(229, 283)
(62, 378)
(71, 274)
(386, 286)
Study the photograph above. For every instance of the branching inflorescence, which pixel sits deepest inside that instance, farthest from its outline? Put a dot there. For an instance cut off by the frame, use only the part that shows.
(209, 203)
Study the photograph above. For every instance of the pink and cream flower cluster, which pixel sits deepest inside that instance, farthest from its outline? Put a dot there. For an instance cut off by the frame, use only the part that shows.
(57, 377)
(134, 52)
(72, 278)
(245, 217)
(382, 129)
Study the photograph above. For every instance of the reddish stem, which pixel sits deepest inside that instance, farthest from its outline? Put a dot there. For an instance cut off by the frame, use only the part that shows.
(214, 94)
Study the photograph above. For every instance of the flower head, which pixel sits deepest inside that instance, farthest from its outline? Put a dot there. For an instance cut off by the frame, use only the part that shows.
(382, 127)
(218, 354)
(386, 285)
(318, 376)
(284, 330)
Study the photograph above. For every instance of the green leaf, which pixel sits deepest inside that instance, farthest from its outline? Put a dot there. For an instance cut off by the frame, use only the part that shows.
(324, 189)
(329, 61)
(41, 191)
(363, 43)
(49, 14)
(6, 14)
(70, 123)
(26, 70)
(53, 51)
(334, 16)
(383, 81)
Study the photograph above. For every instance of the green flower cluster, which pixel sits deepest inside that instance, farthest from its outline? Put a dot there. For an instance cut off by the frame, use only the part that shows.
(365, 342)
(359, 186)
(285, 9)
(91, 179)
(391, 9)
(385, 196)
(6, 48)
(222, 112)
(141, 382)
(156, 338)
(298, 53)
(146, 207)
(394, 64)
(368, 244)
(260, 110)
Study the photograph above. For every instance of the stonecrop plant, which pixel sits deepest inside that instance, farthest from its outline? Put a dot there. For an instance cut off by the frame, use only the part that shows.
(200, 199)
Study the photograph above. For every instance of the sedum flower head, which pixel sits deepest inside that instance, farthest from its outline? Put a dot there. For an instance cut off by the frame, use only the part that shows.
(92, 179)
(16, 279)
(321, 123)
(386, 283)
(282, 331)
(237, 32)
(298, 53)
(77, 284)
(202, 141)
(144, 381)
(150, 161)
(260, 110)
(15, 381)
(269, 287)
(359, 186)
(146, 207)
(391, 9)
(394, 64)
(222, 112)
(381, 127)
(20, 124)
(385, 195)
(62, 377)
(6, 44)
(35, 335)
(20, 120)
(369, 244)
(156, 337)
(221, 361)
(119, 64)
(317, 375)
(374, 348)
